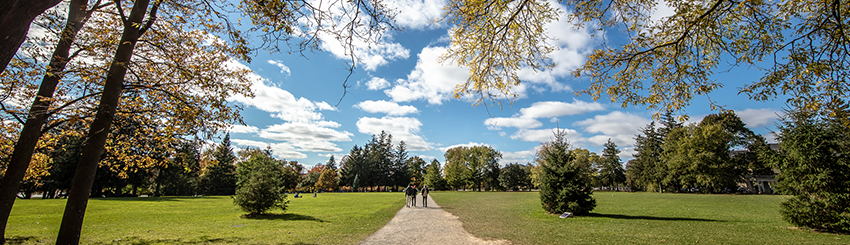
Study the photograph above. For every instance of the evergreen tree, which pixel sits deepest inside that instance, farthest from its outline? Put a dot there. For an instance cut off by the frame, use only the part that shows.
(564, 187)
(815, 169)
(515, 177)
(219, 178)
(647, 169)
(400, 172)
(611, 170)
(260, 185)
(434, 176)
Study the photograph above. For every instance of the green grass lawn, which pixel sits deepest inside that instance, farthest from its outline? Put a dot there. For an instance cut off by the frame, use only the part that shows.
(632, 218)
(330, 218)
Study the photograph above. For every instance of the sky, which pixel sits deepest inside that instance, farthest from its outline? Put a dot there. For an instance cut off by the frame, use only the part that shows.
(301, 111)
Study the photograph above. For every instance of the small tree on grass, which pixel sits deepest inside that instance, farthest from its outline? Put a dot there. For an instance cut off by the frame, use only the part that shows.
(260, 185)
(564, 186)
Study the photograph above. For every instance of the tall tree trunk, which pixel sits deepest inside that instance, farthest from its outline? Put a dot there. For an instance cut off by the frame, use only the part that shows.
(38, 113)
(15, 19)
(72, 220)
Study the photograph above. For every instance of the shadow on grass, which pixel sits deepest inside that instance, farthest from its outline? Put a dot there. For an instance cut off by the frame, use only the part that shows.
(143, 199)
(21, 240)
(622, 216)
(286, 216)
(200, 240)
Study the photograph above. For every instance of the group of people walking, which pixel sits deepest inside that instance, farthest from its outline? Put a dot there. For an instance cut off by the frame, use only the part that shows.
(411, 191)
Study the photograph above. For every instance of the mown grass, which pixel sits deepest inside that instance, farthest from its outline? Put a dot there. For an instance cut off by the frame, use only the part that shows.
(330, 218)
(632, 218)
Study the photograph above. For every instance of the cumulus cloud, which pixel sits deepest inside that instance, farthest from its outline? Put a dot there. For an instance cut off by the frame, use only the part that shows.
(416, 14)
(281, 150)
(390, 108)
(401, 128)
(430, 80)
(573, 46)
(521, 157)
(619, 126)
(283, 68)
(544, 135)
(758, 117)
(235, 128)
(304, 129)
(527, 117)
(377, 83)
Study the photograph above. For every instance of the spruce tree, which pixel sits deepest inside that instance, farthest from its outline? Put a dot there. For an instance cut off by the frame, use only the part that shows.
(564, 186)
(220, 177)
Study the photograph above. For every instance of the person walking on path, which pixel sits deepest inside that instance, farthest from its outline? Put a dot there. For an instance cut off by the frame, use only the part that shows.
(424, 192)
(407, 195)
(414, 192)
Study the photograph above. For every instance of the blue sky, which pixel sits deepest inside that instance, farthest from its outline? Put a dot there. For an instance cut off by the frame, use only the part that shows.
(401, 88)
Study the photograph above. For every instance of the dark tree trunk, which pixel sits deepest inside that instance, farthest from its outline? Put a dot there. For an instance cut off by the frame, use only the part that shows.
(31, 132)
(75, 209)
(15, 19)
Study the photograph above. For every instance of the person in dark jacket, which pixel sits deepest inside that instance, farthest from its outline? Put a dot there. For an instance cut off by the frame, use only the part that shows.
(424, 192)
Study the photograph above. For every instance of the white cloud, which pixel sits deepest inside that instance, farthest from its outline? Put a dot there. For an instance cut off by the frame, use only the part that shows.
(547, 109)
(544, 135)
(305, 128)
(308, 136)
(416, 14)
(390, 108)
(758, 117)
(401, 128)
(521, 157)
(430, 80)
(527, 117)
(281, 150)
(235, 128)
(283, 68)
(377, 83)
(572, 44)
(619, 126)
(428, 158)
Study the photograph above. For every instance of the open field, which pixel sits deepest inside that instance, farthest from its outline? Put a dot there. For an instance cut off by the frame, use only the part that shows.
(632, 218)
(330, 218)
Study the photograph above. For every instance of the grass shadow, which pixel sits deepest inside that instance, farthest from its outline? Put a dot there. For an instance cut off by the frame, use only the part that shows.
(200, 240)
(622, 216)
(21, 240)
(286, 216)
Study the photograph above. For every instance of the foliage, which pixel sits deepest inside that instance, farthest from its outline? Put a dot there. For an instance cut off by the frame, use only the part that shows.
(219, 178)
(611, 171)
(515, 177)
(259, 185)
(477, 166)
(647, 169)
(564, 186)
(434, 176)
(415, 166)
(327, 180)
(663, 62)
(698, 157)
(815, 169)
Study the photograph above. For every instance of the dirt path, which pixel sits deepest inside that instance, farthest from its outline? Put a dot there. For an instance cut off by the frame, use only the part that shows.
(421, 225)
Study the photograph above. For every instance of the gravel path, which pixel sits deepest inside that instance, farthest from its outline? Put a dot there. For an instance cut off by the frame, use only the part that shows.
(421, 225)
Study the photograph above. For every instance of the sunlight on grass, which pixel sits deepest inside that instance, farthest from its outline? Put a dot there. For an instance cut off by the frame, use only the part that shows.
(330, 218)
(642, 218)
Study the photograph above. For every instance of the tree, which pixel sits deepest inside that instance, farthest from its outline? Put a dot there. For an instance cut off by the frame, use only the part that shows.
(611, 170)
(646, 170)
(327, 180)
(15, 19)
(514, 177)
(564, 187)
(457, 172)
(814, 169)
(219, 178)
(665, 63)
(415, 168)
(434, 176)
(259, 185)
(698, 157)
(400, 171)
